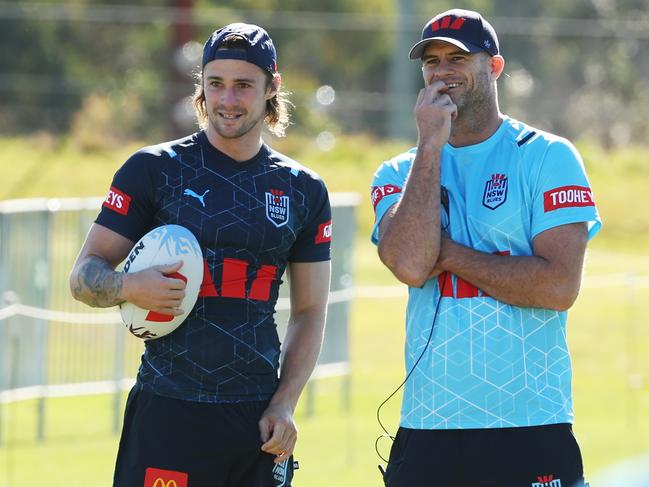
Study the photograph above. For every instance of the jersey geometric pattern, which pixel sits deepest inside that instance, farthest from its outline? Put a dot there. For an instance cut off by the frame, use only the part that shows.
(491, 364)
(228, 349)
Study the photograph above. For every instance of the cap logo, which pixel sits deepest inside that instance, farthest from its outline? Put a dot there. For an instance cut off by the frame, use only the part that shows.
(445, 23)
(465, 29)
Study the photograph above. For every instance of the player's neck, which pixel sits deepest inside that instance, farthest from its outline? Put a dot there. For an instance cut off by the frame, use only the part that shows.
(471, 130)
(240, 149)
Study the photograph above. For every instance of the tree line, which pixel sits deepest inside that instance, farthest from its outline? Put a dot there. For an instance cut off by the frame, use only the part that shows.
(117, 71)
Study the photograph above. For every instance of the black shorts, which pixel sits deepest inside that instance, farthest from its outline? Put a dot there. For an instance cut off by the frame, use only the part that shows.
(538, 456)
(172, 443)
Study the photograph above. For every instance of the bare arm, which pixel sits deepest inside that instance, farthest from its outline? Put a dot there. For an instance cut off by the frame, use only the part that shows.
(410, 230)
(94, 281)
(309, 284)
(549, 279)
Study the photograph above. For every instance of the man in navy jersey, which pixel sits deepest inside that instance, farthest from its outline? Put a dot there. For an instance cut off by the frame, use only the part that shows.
(487, 221)
(208, 407)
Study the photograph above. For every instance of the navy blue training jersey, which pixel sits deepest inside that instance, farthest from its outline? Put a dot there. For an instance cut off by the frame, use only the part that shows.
(250, 219)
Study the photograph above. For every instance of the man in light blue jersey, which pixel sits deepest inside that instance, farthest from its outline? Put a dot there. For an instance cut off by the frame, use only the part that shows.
(487, 221)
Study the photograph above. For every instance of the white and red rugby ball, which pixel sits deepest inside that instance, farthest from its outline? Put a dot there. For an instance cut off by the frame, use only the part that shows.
(161, 246)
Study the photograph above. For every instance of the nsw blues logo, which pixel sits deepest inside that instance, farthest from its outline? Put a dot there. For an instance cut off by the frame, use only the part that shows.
(283, 472)
(277, 207)
(495, 191)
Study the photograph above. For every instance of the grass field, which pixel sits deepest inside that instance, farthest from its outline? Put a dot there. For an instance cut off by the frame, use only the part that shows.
(607, 331)
(609, 343)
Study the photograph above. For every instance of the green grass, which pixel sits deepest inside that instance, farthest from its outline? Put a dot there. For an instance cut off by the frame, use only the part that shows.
(607, 329)
(52, 167)
(608, 340)
(47, 166)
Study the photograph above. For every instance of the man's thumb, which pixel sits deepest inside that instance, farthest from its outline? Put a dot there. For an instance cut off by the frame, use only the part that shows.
(264, 430)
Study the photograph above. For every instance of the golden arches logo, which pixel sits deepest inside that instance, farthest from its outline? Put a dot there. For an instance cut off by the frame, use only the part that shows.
(160, 482)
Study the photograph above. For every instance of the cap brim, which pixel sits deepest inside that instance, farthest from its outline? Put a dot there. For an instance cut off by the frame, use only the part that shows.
(418, 49)
(240, 56)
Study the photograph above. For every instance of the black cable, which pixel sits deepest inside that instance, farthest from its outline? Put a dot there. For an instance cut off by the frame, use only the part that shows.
(430, 337)
(444, 197)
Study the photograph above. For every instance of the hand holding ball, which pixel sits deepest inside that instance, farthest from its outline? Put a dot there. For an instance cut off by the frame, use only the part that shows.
(162, 246)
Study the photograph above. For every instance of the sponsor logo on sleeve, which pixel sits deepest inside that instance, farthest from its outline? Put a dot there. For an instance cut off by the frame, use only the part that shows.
(324, 233)
(567, 197)
(156, 477)
(495, 191)
(378, 192)
(117, 201)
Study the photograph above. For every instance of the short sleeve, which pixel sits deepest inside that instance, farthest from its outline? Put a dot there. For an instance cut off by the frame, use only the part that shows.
(387, 188)
(313, 244)
(562, 193)
(129, 205)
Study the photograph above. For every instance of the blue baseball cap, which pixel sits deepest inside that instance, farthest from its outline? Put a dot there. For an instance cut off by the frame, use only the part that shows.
(465, 29)
(259, 46)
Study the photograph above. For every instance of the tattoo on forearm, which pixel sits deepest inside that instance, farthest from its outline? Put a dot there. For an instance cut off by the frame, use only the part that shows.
(97, 284)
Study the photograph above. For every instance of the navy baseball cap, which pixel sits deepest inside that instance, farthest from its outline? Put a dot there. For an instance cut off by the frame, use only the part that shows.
(259, 46)
(465, 29)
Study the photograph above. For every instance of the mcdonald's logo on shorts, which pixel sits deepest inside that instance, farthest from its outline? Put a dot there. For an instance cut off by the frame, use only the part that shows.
(156, 477)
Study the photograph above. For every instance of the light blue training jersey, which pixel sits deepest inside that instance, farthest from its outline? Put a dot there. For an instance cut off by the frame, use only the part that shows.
(491, 364)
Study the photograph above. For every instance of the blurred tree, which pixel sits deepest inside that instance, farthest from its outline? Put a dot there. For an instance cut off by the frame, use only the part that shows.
(577, 68)
(578, 72)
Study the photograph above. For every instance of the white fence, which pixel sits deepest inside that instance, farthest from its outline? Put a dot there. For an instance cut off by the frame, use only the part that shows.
(52, 346)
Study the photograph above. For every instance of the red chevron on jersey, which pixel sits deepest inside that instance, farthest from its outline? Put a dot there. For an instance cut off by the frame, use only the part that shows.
(117, 201)
(234, 281)
(567, 197)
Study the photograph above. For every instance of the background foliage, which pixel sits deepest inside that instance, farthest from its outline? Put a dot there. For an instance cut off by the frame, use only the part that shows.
(576, 68)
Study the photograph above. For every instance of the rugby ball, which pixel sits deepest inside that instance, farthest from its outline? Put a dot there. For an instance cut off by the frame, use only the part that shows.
(161, 246)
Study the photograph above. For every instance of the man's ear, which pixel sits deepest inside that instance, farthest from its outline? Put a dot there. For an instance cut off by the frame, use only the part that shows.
(273, 86)
(497, 66)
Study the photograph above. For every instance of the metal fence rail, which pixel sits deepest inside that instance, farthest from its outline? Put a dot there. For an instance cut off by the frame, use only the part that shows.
(53, 346)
